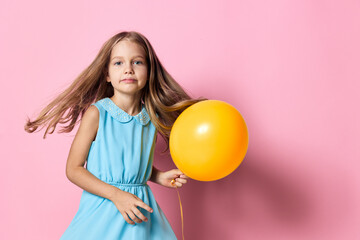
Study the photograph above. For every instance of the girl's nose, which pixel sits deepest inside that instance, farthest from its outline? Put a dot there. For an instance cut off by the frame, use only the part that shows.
(128, 69)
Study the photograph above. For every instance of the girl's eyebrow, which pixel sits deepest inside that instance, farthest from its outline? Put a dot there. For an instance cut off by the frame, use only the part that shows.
(138, 56)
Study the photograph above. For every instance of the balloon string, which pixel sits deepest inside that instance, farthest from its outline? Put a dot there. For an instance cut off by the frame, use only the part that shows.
(181, 210)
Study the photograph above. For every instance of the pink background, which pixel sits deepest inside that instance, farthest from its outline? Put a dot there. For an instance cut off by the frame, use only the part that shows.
(290, 67)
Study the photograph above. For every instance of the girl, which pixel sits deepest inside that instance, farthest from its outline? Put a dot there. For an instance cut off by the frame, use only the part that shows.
(124, 98)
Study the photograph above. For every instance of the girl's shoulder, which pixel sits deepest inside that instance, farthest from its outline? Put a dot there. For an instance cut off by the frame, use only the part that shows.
(92, 114)
(90, 122)
(100, 105)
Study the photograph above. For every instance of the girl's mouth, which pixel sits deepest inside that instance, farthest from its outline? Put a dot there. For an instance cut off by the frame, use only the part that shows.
(128, 80)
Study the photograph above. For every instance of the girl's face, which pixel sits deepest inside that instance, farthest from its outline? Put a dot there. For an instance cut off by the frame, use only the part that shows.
(127, 70)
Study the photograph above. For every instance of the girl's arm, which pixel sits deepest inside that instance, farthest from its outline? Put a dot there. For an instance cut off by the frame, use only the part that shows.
(155, 175)
(165, 178)
(79, 150)
(126, 203)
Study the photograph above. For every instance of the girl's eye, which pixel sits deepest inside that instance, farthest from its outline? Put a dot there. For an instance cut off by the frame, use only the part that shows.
(117, 63)
(137, 62)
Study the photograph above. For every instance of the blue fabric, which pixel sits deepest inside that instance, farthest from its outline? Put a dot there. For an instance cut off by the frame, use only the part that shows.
(121, 155)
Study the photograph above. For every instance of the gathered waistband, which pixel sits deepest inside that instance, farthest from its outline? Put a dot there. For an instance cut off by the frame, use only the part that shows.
(128, 184)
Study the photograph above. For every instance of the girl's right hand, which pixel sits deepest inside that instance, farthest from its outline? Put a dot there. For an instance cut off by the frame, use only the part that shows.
(127, 204)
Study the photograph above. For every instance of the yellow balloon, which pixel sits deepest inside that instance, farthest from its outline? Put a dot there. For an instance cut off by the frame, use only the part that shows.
(208, 140)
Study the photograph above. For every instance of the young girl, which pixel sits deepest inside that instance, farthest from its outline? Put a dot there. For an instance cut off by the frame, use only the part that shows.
(124, 98)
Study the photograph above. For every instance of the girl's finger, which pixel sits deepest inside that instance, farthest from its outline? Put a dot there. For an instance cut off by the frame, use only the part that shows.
(144, 206)
(139, 214)
(127, 219)
(177, 172)
(178, 184)
(133, 217)
(181, 180)
(184, 176)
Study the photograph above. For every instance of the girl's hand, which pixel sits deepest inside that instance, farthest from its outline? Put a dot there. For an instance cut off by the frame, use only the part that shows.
(172, 179)
(127, 204)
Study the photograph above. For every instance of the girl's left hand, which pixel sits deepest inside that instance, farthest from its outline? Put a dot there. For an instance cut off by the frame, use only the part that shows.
(166, 178)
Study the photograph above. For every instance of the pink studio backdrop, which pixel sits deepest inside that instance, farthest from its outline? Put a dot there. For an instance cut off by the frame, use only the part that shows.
(290, 67)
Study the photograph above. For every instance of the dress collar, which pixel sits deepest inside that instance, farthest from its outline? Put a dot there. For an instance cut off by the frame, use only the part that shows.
(142, 117)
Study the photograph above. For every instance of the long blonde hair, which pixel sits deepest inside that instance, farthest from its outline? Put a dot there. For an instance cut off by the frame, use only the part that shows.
(162, 95)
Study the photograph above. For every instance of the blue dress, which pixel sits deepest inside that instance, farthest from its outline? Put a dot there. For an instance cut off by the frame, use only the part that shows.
(121, 155)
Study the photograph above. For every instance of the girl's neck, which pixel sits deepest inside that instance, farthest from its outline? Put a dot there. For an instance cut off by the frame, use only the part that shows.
(129, 104)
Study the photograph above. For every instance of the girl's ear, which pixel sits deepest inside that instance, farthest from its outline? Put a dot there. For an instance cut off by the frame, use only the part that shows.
(106, 73)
